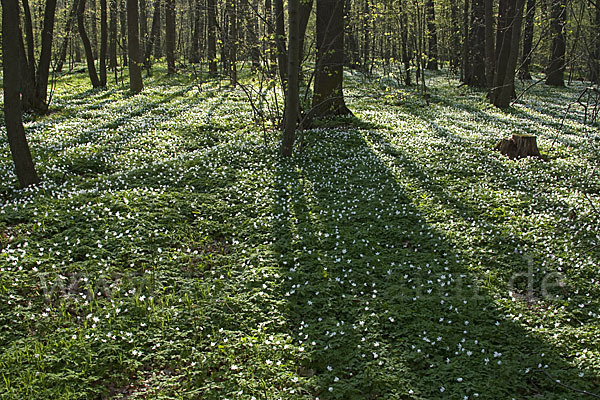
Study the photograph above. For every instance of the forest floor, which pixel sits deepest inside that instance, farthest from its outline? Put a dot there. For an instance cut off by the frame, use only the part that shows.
(170, 252)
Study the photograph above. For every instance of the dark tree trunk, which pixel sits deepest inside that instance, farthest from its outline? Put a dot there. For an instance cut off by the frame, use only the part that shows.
(328, 97)
(269, 44)
(153, 35)
(282, 62)
(432, 54)
(19, 148)
(157, 38)
(490, 44)
(455, 50)
(466, 67)
(231, 44)
(112, 35)
(43, 71)
(211, 45)
(519, 146)
(509, 35)
(135, 62)
(595, 67)
(124, 46)
(27, 70)
(143, 24)
(170, 35)
(556, 67)
(305, 10)
(94, 26)
(524, 71)
(103, 42)
(65, 44)
(196, 32)
(292, 94)
(87, 45)
(475, 75)
(253, 36)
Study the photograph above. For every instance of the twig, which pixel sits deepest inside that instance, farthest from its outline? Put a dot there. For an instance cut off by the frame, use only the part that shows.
(559, 383)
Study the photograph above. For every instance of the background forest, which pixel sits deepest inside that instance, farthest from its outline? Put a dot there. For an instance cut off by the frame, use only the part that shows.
(259, 199)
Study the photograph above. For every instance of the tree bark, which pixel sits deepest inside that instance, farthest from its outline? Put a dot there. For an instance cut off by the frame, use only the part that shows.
(556, 66)
(143, 24)
(17, 140)
(89, 56)
(292, 94)
(490, 44)
(196, 33)
(524, 72)
(519, 146)
(595, 67)
(124, 46)
(153, 35)
(103, 42)
(282, 61)
(112, 35)
(170, 35)
(475, 73)
(211, 46)
(135, 71)
(509, 29)
(328, 97)
(43, 71)
(28, 63)
(432, 54)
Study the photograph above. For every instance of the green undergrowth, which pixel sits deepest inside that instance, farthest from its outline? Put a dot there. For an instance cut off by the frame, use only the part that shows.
(170, 252)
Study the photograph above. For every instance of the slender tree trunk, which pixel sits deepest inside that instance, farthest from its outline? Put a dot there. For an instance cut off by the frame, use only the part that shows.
(135, 62)
(466, 65)
(404, 45)
(143, 24)
(292, 94)
(28, 63)
(253, 36)
(124, 46)
(65, 44)
(269, 45)
(17, 141)
(328, 96)
(490, 60)
(112, 35)
(153, 35)
(43, 71)
(524, 71)
(304, 12)
(211, 48)
(94, 26)
(196, 33)
(170, 35)
(595, 67)
(282, 61)
(455, 49)
(87, 45)
(432, 54)
(157, 40)
(232, 42)
(510, 33)
(556, 67)
(103, 41)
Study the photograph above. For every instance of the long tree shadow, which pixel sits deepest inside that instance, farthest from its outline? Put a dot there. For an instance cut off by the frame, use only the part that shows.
(382, 300)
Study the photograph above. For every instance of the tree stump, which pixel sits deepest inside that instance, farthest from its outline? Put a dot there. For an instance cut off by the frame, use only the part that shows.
(519, 146)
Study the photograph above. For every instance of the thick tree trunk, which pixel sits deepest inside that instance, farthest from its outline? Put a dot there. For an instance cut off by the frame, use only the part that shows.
(17, 141)
(432, 53)
(524, 72)
(135, 62)
(89, 56)
(170, 35)
(196, 33)
(43, 71)
(328, 96)
(519, 146)
(556, 67)
(509, 34)
(62, 57)
(292, 94)
(211, 45)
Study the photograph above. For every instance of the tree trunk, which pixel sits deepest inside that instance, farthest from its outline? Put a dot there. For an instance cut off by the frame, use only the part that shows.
(432, 54)
(170, 35)
(231, 45)
(211, 45)
(103, 42)
(92, 21)
(124, 46)
(43, 71)
(519, 146)
(112, 35)
(475, 73)
(17, 141)
(556, 67)
(28, 63)
(157, 38)
(282, 61)
(143, 24)
(87, 45)
(196, 33)
(509, 33)
(595, 67)
(292, 93)
(153, 35)
(524, 72)
(404, 45)
(328, 96)
(135, 71)
(490, 60)
(65, 44)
